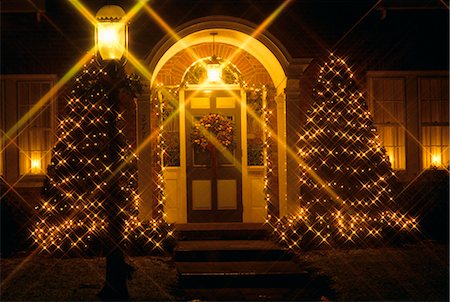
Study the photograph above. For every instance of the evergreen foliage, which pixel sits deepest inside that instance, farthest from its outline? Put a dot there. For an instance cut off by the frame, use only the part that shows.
(92, 167)
(347, 186)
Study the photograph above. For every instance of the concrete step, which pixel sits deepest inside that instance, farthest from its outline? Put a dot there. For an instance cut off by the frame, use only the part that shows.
(250, 274)
(229, 250)
(243, 294)
(221, 231)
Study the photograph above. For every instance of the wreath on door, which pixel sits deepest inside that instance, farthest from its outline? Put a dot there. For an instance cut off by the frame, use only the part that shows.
(212, 126)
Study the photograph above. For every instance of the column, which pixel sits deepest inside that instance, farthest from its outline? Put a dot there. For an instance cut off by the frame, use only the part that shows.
(144, 156)
(296, 106)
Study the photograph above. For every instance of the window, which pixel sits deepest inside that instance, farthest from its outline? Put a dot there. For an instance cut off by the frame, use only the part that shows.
(35, 138)
(255, 130)
(170, 120)
(434, 99)
(388, 109)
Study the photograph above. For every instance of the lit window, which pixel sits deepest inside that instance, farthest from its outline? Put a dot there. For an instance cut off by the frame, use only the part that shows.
(35, 139)
(434, 99)
(393, 140)
(435, 146)
(388, 107)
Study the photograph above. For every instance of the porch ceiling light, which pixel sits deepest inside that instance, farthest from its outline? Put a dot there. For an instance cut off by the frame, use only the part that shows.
(111, 32)
(214, 68)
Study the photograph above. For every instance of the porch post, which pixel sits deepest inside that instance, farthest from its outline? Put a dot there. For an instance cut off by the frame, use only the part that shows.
(295, 113)
(144, 156)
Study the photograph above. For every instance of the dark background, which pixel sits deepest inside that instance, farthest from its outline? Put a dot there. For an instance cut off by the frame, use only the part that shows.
(372, 35)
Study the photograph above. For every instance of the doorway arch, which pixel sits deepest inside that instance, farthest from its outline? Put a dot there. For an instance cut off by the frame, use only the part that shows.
(232, 31)
(237, 38)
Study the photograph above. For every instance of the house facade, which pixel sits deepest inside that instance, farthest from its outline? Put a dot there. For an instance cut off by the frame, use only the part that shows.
(269, 53)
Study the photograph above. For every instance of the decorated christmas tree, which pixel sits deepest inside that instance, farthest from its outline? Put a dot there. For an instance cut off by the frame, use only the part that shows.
(92, 177)
(347, 188)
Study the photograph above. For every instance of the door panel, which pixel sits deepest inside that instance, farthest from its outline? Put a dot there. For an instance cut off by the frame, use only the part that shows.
(226, 194)
(201, 195)
(200, 102)
(214, 179)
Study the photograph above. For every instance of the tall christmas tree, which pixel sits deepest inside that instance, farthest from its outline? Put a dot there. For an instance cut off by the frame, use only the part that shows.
(92, 177)
(347, 187)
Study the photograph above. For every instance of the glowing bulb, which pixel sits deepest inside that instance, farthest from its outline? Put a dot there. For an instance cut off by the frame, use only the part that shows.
(35, 162)
(214, 72)
(436, 159)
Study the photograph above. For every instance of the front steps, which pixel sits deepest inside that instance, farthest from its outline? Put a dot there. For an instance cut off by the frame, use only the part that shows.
(236, 262)
(229, 250)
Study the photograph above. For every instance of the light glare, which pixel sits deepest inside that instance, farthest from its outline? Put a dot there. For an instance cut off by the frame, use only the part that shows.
(111, 40)
(214, 72)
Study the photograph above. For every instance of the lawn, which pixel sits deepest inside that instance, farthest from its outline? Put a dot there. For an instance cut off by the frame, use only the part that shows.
(417, 272)
(48, 279)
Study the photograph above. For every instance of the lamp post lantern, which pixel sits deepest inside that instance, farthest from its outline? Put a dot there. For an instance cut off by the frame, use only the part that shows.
(111, 33)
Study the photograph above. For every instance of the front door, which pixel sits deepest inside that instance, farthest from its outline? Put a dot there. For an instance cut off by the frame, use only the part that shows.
(214, 178)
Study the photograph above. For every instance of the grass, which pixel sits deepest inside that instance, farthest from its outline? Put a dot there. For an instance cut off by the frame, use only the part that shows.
(50, 279)
(412, 273)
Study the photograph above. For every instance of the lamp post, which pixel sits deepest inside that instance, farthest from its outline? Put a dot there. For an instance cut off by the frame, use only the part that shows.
(111, 37)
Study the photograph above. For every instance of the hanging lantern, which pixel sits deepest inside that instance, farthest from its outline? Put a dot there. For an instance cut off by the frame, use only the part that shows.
(214, 68)
(111, 33)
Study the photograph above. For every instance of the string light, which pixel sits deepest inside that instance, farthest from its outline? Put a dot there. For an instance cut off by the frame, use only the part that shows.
(73, 212)
(351, 199)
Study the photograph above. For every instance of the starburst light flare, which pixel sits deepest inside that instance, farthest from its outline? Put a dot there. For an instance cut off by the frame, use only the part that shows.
(355, 200)
(75, 196)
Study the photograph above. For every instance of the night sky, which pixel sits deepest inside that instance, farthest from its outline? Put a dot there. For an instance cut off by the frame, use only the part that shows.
(402, 38)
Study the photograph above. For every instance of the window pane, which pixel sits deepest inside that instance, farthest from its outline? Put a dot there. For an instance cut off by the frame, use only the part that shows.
(35, 140)
(169, 100)
(389, 118)
(255, 131)
(435, 146)
(393, 140)
(434, 100)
